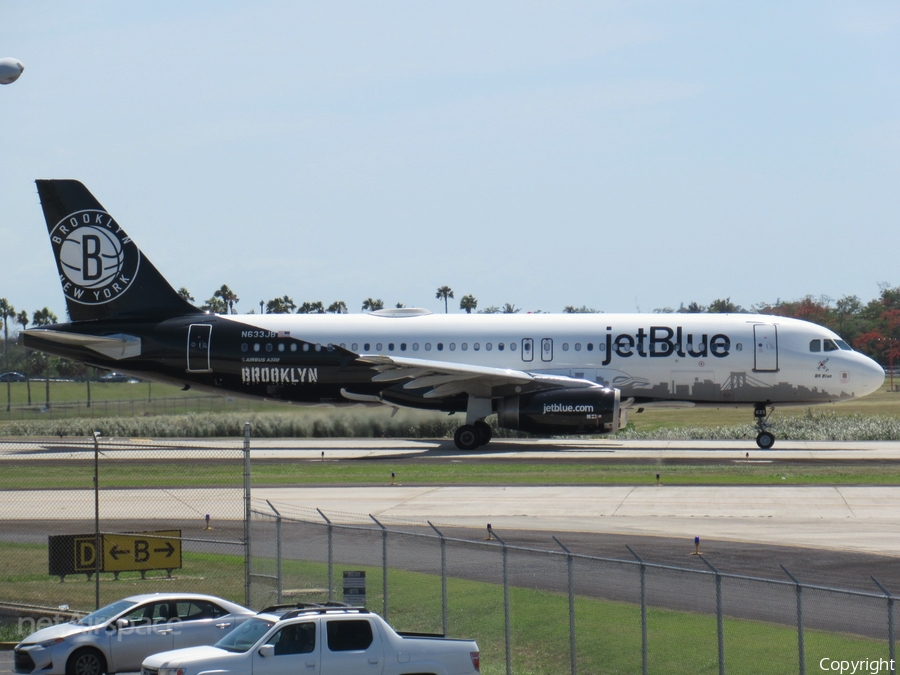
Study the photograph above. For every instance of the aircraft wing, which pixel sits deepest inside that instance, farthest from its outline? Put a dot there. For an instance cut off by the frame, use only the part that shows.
(448, 378)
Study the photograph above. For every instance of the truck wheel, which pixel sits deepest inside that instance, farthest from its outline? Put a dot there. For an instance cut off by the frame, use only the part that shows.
(86, 662)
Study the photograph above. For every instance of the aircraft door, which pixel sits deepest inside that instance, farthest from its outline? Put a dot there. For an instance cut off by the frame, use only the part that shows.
(198, 345)
(527, 349)
(765, 348)
(547, 349)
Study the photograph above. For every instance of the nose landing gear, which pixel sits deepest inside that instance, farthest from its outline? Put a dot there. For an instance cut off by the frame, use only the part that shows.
(764, 439)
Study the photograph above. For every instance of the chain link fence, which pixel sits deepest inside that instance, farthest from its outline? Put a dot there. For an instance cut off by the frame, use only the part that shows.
(160, 516)
(570, 612)
(177, 516)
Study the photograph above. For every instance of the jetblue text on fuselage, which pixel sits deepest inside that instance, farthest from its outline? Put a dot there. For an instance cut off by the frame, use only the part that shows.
(658, 341)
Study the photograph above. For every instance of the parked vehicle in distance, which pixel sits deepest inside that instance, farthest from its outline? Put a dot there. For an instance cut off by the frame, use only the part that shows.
(13, 376)
(119, 636)
(113, 377)
(325, 640)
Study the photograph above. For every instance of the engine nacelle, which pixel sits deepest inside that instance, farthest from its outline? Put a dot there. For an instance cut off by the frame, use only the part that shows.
(562, 411)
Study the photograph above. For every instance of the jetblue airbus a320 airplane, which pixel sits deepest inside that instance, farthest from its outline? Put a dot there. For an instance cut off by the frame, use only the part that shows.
(549, 374)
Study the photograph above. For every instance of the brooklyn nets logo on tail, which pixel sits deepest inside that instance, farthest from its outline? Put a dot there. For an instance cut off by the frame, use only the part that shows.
(102, 272)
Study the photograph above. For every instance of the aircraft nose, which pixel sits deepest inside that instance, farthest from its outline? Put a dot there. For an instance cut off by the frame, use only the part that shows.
(871, 376)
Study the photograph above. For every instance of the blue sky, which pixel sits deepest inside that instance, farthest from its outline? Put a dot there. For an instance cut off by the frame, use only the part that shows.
(610, 154)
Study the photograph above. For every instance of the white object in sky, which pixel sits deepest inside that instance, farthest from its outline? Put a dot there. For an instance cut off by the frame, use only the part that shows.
(10, 69)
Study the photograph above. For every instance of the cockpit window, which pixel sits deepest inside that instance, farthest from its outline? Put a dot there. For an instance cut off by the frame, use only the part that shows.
(815, 345)
(843, 345)
(830, 346)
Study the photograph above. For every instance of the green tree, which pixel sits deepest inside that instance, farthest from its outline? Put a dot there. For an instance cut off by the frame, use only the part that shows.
(44, 317)
(185, 294)
(692, 308)
(22, 320)
(311, 308)
(493, 309)
(370, 305)
(214, 306)
(584, 309)
(228, 297)
(468, 303)
(337, 307)
(283, 305)
(509, 308)
(725, 306)
(444, 293)
(7, 312)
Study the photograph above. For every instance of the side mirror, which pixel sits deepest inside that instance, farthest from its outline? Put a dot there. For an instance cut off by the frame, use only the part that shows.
(266, 651)
(122, 623)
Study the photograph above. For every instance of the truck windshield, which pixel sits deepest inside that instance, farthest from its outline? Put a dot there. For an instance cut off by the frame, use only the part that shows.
(242, 638)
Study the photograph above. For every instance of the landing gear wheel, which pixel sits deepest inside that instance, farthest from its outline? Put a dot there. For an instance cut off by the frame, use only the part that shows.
(765, 440)
(466, 437)
(483, 429)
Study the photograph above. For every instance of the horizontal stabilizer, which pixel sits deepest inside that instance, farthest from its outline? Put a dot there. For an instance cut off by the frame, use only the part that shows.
(117, 346)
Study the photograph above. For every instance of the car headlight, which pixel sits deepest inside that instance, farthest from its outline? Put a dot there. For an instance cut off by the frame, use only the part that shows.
(46, 644)
(171, 671)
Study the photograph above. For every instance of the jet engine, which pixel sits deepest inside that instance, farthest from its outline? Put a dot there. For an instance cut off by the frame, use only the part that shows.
(594, 410)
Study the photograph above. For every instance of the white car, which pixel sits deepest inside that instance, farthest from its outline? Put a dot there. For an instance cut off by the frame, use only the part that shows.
(320, 641)
(118, 637)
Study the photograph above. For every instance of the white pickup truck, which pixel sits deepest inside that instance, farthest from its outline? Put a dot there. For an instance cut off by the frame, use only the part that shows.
(320, 641)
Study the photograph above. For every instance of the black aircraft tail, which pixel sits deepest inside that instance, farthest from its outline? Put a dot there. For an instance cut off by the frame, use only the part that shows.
(103, 273)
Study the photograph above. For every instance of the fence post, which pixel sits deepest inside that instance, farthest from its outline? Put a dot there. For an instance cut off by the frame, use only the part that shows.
(570, 562)
(643, 610)
(247, 513)
(384, 567)
(890, 608)
(330, 556)
(444, 621)
(279, 586)
(506, 623)
(800, 644)
(719, 622)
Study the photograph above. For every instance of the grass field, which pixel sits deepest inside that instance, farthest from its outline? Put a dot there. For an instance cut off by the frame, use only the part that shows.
(608, 633)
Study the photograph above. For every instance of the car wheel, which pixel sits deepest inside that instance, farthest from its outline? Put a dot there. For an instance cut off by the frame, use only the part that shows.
(86, 662)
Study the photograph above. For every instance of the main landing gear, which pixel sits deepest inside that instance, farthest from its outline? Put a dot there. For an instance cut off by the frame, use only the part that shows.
(764, 439)
(472, 436)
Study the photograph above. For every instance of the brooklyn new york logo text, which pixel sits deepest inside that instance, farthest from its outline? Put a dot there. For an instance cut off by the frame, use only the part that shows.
(97, 260)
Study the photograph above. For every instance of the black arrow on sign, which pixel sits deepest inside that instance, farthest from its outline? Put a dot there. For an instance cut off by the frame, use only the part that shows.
(115, 551)
(168, 550)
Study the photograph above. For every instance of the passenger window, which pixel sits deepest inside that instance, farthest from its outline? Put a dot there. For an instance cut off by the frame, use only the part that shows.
(427, 346)
(378, 347)
(440, 346)
(488, 346)
(452, 346)
(402, 346)
(256, 346)
(298, 638)
(194, 610)
(245, 347)
(830, 346)
(293, 347)
(815, 345)
(354, 347)
(268, 346)
(415, 346)
(565, 346)
(577, 346)
(500, 346)
(464, 346)
(318, 347)
(390, 346)
(347, 636)
(843, 345)
(281, 346)
(590, 346)
(476, 346)
(512, 346)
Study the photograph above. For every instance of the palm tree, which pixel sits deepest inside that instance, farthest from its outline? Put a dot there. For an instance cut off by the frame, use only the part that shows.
(311, 308)
(185, 294)
(337, 307)
(370, 305)
(444, 293)
(510, 309)
(22, 319)
(7, 312)
(493, 309)
(228, 297)
(44, 317)
(283, 305)
(468, 303)
(584, 309)
(214, 306)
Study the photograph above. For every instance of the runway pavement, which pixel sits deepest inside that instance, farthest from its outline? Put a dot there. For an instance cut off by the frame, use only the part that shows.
(848, 518)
